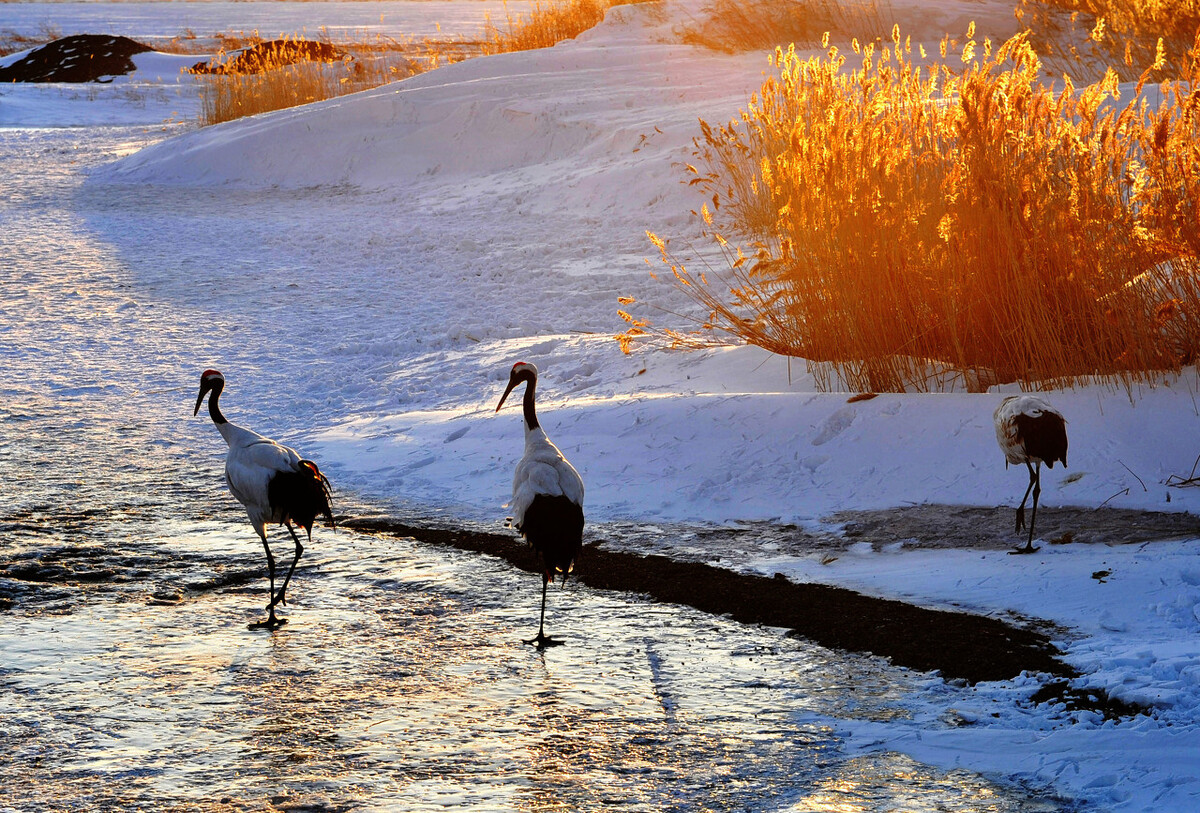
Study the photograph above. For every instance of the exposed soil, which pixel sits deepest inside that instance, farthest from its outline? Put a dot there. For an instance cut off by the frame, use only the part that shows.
(97, 57)
(948, 526)
(912, 527)
(957, 644)
(79, 58)
(267, 56)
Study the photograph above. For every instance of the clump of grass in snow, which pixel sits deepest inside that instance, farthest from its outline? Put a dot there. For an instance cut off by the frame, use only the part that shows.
(546, 25)
(968, 220)
(281, 79)
(12, 41)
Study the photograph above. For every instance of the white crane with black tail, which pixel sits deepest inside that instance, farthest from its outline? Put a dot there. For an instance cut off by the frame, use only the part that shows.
(1032, 432)
(547, 503)
(274, 484)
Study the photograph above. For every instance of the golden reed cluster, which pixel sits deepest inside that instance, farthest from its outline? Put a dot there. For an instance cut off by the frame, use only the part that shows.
(904, 225)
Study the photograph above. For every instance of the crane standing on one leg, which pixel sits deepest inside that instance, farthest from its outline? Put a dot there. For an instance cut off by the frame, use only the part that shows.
(274, 484)
(1030, 431)
(547, 502)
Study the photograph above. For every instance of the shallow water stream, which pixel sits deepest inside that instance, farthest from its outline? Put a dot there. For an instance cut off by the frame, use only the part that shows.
(129, 679)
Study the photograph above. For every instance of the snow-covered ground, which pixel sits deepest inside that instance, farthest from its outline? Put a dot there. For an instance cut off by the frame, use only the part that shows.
(425, 235)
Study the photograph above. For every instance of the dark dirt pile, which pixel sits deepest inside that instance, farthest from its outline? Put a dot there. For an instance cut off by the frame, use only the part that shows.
(79, 58)
(267, 56)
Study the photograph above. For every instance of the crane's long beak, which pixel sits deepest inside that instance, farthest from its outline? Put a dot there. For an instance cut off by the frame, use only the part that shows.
(512, 382)
(200, 399)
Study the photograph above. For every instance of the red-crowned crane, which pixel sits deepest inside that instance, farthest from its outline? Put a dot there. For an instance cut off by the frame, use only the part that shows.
(1032, 432)
(274, 484)
(547, 503)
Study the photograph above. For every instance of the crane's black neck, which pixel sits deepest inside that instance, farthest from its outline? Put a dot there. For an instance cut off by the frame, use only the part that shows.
(531, 421)
(214, 409)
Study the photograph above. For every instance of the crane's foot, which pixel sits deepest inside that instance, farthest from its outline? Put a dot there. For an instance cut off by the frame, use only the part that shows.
(272, 623)
(543, 642)
(1026, 549)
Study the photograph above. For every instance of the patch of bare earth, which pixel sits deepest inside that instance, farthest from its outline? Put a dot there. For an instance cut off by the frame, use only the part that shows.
(958, 645)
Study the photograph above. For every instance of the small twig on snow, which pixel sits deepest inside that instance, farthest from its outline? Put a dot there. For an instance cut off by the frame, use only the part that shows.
(1190, 480)
(1139, 479)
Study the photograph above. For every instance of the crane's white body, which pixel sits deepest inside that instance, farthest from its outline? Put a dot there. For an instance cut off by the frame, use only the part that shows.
(1007, 434)
(542, 470)
(547, 503)
(252, 461)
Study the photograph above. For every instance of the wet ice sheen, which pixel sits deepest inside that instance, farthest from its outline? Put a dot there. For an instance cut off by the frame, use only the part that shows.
(128, 678)
(401, 683)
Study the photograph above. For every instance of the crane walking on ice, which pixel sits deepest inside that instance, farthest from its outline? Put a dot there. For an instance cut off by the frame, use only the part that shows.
(547, 502)
(1030, 431)
(274, 484)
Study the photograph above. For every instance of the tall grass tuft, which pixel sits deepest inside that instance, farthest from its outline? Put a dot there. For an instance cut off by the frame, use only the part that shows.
(12, 41)
(545, 25)
(964, 222)
(275, 79)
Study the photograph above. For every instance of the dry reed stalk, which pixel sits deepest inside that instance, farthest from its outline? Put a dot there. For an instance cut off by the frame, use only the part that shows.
(280, 83)
(12, 41)
(902, 221)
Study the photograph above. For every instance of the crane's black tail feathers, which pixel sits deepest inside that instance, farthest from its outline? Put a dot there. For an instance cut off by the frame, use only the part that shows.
(554, 526)
(302, 495)
(1044, 436)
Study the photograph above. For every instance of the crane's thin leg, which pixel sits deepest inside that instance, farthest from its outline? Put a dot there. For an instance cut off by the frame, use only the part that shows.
(272, 622)
(299, 550)
(542, 640)
(1035, 485)
(1021, 508)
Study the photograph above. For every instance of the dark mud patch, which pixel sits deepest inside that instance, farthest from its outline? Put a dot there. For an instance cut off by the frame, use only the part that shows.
(741, 545)
(956, 644)
(79, 58)
(1072, 698)
(948, 526)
